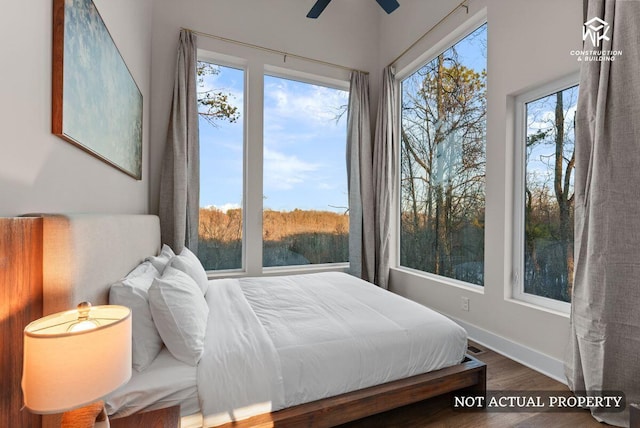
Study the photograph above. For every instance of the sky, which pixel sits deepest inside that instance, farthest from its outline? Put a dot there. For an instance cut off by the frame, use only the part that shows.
(471, 53)
(540, 113)
(304, 146)
(541, 117)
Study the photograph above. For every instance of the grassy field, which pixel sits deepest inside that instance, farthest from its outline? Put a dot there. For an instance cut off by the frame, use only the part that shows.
(289, 238)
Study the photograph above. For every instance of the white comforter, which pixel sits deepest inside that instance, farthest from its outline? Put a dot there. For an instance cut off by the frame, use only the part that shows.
(277, 342)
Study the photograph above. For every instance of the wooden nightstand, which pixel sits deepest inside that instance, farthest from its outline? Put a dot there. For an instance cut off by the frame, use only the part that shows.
(163, 418)
(634, 416)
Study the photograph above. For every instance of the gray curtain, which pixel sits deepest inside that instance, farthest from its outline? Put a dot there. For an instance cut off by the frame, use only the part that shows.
(605, 319)
(180, 175)
(384, 173)
(360, 179)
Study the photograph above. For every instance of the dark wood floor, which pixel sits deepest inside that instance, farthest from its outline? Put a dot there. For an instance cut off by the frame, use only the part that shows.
(502, 374)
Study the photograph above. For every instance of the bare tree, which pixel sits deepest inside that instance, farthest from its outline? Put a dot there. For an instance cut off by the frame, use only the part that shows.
(549, 196)
(443, 158)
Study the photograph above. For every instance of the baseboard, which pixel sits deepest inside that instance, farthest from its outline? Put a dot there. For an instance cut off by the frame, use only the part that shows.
(524, 355)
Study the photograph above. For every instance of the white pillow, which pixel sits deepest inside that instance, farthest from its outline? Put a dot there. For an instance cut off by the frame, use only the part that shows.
(132, 292)
(180, 314)
(161, 260)
(189, 263)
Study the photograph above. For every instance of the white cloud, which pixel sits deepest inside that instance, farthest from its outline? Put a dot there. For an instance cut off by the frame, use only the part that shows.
(224, 207)
(299, 114)
(314, 104)
(542, 115)
(283, 172)
(228, 206)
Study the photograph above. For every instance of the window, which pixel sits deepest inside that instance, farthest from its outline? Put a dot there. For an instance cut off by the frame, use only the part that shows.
(442, 162)
(545, 213)
(280, 157)
(220, 105)
(305, 208)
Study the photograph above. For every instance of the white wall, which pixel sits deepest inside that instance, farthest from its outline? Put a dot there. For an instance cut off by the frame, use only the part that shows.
(345, 34)
(40, 172)
(528, 44)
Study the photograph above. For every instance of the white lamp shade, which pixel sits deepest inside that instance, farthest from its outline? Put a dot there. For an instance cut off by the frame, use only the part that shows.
(65, 369)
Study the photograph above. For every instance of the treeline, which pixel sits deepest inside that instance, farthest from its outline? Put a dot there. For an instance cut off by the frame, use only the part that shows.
(289, 238)
(460, 256)
(548, 255)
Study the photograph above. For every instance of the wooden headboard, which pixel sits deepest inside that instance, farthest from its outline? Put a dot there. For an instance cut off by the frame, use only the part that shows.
(20, 303)
(50, 263)
(83, 254)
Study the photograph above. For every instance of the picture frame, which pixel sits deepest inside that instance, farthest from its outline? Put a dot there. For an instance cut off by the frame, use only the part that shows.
(96, 103)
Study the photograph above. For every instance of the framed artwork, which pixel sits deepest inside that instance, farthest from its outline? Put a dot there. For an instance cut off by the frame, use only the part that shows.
(97, 104)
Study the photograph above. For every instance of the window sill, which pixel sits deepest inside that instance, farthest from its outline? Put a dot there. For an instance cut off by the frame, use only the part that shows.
(441, 280)
(230, 273)
(280, 270)
(558, 308)
(301, 269)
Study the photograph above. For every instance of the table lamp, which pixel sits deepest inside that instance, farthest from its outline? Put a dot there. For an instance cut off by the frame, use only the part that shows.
(74, 358)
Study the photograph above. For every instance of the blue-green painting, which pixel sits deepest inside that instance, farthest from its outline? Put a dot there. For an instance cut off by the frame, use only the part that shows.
(101, 103)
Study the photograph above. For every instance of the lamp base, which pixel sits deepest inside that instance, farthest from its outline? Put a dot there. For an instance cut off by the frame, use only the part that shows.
(92, 415)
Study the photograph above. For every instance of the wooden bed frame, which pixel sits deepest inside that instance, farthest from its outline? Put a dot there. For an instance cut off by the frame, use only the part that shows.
(84, 254)
(469, 376)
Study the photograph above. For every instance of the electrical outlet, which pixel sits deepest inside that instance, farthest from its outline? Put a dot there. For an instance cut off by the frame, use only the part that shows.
(465, 303)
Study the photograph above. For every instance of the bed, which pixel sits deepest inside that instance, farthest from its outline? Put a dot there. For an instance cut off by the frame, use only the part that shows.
(363, 342)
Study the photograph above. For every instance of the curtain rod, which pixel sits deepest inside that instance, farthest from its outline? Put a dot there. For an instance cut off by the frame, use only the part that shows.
(273, 51)
(462, 4)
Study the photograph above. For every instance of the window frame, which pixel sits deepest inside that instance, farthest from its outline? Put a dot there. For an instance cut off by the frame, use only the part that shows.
(519, 167)
(316, 80)
(239, 64)
(448, 41)
(256, 65)
(304, 77)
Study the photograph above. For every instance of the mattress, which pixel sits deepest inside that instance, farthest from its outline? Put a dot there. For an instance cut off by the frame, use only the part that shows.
(294, 339)
(166, 382)
(276, 342)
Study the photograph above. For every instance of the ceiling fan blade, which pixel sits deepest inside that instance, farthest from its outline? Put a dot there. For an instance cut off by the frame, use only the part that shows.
(388, 5)
(317, 8)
